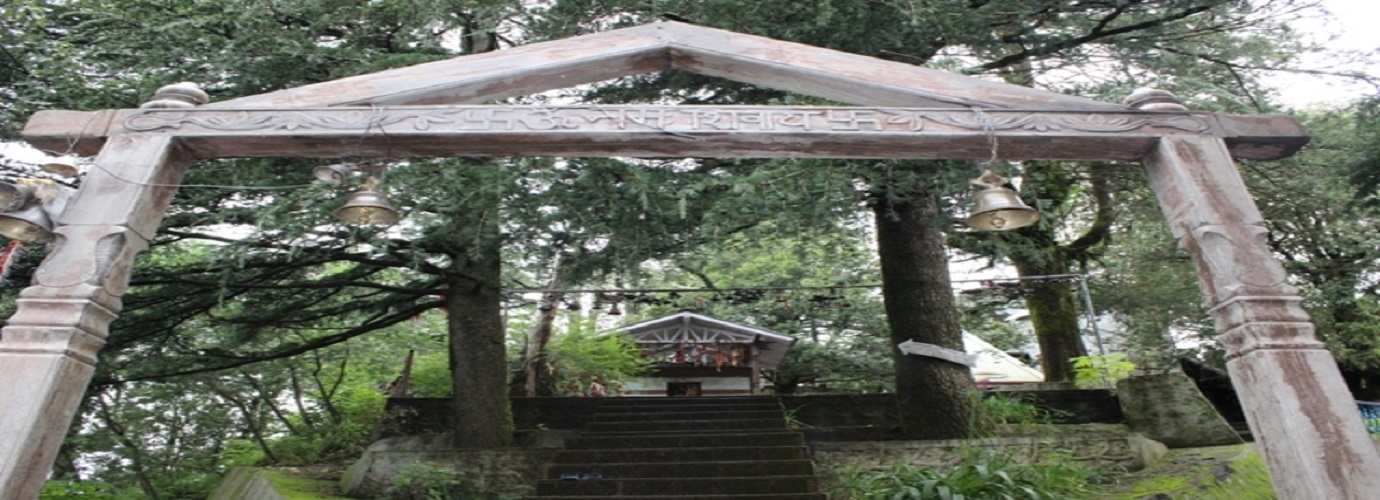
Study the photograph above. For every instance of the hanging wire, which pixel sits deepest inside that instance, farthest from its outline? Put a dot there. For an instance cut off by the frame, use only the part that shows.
(117, 177)
(987, 175)
(1050, 277)
(72, 141)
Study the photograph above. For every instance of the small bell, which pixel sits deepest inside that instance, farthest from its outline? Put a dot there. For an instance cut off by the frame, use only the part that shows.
(65, 165)
(613, 310)
(29, 225)
(999, 208)
(367, 207)
(14, 196)
(333, 175)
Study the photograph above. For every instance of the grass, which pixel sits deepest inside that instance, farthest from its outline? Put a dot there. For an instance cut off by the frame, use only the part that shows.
(1217, 473)
(982, 474)
(295, 487)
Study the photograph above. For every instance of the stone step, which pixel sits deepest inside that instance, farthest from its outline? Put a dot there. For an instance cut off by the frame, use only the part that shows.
(685, 426)
(677, 413)
(677, 440)
(700, 486)
(687, 454)
(686, 407)
(726, 468)
(714, 400)
(764, 496)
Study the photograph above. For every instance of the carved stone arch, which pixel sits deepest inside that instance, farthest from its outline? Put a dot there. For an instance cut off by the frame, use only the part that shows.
(1309, 433)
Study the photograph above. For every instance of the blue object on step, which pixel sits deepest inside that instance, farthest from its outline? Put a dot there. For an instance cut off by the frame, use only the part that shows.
(572, 476)
(1370, 413)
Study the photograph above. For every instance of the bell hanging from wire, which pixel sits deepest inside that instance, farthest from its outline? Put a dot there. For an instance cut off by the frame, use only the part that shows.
(14, 196)
(333, 175)
(65, 165)
(999, 208)
(613, 310)
(367, 206)
(29, 225)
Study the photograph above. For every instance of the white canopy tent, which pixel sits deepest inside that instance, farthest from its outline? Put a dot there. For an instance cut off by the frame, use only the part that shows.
(997, 367)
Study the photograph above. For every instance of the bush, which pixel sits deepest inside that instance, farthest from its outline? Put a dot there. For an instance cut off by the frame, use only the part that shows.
(430, 481)
(981, 475)
(1015, 409)
(1101, 372)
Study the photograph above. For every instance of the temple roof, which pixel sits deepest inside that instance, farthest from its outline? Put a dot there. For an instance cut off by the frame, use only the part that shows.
(692, 328)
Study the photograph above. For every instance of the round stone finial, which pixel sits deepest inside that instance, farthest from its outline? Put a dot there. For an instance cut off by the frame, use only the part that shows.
(178, 95)
(1154, 100)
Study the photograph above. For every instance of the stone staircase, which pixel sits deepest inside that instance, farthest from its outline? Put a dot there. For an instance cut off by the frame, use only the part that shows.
(712, 448)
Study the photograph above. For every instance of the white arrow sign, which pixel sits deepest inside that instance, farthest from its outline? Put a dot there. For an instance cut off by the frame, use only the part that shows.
(934, 351)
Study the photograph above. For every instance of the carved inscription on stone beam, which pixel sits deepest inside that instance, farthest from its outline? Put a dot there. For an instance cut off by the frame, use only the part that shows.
(684, 119)
(665, 131)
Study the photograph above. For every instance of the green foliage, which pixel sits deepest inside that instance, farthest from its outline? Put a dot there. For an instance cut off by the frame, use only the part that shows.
(297, 487)
(78, 490)
(240, 453)
(431, 375)
(578, 355)
(1242, 476)
(360, 410)
(1101, 371)
(1007, 409)
(431, 481)
(300, 318)
(981, 474)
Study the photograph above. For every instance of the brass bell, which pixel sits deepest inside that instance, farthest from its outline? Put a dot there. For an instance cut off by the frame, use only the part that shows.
(65, 165)
(367, 206)
(332, 174)
(999, 208)
(14, 196)
(29, 225)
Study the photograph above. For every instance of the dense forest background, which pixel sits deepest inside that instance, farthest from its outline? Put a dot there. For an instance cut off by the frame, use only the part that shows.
(258, 330)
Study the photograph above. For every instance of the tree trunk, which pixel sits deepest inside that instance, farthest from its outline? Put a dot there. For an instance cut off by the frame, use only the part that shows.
(536, 368)
(934, 395)
(479, 368)
(1053, 315)
(1053, 305)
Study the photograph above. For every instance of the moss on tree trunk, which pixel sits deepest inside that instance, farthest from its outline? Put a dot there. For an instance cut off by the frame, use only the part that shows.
(1054, 317)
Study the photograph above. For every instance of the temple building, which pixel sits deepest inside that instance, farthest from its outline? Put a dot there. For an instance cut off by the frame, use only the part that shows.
(697, 355)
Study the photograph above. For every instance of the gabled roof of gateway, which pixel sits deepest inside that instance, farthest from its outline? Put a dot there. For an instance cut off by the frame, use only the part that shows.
(539, 67)
(689, 327)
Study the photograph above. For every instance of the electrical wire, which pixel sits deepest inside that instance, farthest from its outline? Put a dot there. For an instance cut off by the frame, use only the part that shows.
(1051, 277)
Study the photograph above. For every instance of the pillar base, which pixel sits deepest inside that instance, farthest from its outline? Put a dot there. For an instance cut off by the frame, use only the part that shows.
(1306, 424)
(41, 392)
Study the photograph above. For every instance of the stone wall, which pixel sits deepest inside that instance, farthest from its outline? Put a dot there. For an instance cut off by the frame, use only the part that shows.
(510, 471)
(872, 417)
(245, 483)
(514, 470)
(413, 416)
(1168, 408)
(848, 414)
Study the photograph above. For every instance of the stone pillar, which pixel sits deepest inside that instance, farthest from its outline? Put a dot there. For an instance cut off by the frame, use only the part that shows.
(1304, 419)
(48, 348)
